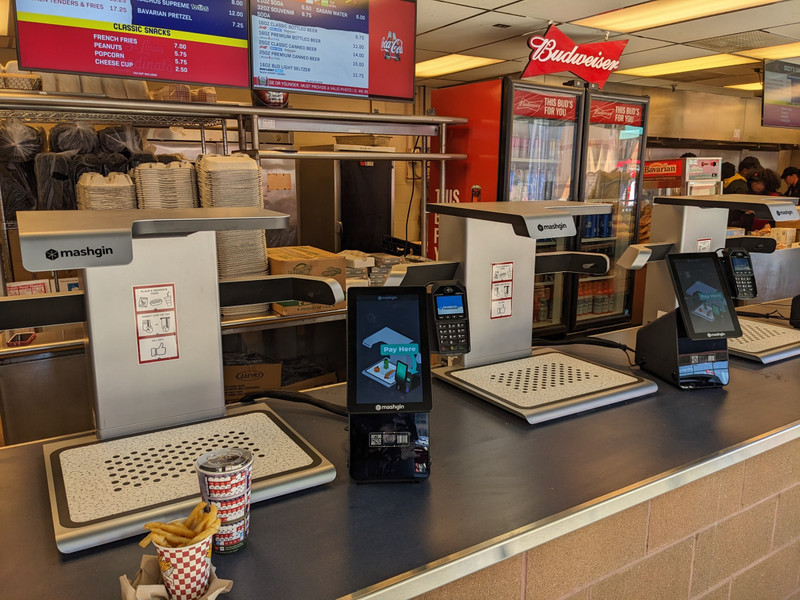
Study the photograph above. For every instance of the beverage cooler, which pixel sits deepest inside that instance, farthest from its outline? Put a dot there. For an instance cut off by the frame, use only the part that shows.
(611, 172)
(528, 142)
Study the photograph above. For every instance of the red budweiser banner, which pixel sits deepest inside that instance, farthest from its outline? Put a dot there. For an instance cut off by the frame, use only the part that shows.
(556, 52)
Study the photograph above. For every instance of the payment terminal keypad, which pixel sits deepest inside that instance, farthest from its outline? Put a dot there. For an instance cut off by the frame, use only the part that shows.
(450, 318)
(453, 335)
(745, 286)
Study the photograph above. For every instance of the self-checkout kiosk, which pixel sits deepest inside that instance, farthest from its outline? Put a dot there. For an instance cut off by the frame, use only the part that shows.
(692, 224)
(494, 245)
(388, 384)
(688, 346)
(152, 308)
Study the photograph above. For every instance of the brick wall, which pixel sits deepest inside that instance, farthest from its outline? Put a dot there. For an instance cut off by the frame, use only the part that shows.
(734, 535)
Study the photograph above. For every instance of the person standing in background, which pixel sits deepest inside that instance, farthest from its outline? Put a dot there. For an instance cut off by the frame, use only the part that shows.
(791, 175)
(737, 184)
(764, 182)
(728, 170)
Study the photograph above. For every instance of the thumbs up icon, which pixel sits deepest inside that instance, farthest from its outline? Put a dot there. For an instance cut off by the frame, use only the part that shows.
(159, 350)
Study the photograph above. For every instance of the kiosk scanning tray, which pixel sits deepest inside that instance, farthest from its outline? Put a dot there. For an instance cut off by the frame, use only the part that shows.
(547, 385)
(102, 491)
(764, 342)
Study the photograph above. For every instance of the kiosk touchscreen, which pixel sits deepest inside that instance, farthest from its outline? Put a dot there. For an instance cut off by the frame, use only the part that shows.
(688, 346)
(704, 300)
(388, 383)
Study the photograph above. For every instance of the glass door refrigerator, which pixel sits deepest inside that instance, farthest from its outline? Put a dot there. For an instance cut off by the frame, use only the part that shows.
(611, 172)
(523, 143)
(529, 142)
(540, 161)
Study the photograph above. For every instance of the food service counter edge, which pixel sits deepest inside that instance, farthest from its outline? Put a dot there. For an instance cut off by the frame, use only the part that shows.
(498, 487)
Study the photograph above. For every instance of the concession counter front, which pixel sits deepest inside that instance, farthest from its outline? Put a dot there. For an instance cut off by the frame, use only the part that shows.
(663, 495)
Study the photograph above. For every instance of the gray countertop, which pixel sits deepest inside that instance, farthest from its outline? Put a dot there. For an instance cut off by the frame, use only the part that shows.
(496, 484)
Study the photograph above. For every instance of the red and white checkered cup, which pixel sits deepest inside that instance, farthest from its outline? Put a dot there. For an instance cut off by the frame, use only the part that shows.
(186, 571)
(224, 477)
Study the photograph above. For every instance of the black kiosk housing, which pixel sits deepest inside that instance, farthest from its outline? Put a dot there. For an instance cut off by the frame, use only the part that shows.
(688, 346)
(388, 383)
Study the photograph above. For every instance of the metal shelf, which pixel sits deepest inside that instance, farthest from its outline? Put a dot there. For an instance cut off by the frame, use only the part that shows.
(54, 339)
(49, 107)
(256, 322)
(44, 107)
(341, 155)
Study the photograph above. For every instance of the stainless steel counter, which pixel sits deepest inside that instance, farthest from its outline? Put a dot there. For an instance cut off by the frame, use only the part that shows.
(771, 275)
(498, 486)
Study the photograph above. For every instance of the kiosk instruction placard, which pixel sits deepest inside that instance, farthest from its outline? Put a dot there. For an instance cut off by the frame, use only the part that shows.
(156, 322)
(502, 289)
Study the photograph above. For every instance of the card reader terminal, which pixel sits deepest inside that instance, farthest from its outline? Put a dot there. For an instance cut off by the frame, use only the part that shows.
(450, 317)
(739, 272)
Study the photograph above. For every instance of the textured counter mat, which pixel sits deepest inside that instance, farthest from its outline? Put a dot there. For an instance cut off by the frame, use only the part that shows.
(765, 342)
(101, 491)
(548, 385)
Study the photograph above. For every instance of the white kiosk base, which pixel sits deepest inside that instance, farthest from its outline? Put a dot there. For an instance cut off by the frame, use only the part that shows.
(548, 385)
(102, 491)
(495, 245)
(764, 342)
(152, 309)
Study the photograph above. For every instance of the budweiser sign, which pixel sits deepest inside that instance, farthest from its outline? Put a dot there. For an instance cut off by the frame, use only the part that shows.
(556, 52)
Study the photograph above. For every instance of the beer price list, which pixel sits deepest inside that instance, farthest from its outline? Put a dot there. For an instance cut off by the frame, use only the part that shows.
(311, 47)
(173, 40)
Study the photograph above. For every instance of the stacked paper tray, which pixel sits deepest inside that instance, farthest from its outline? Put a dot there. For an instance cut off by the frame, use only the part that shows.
(114, 191)
(172, 185)
(235, 181)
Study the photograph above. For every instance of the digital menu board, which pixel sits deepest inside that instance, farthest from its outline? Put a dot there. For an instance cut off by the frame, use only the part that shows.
(362, 48)
(189, 41)
(780, 104)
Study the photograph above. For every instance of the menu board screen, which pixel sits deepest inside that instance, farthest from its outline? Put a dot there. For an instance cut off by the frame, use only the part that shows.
(190, 41)
(780, 103)
(362, 48)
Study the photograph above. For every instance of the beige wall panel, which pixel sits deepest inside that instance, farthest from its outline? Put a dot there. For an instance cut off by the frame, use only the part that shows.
(570, 562)
(732, 545)
(502, 581)
(771, 578)
(662, 576)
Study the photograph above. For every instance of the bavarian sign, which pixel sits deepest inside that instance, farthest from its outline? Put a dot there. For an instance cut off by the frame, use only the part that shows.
(556, 52)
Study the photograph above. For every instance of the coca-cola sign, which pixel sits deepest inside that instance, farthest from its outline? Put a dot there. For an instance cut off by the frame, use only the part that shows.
(391, 46)
(556, 52)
